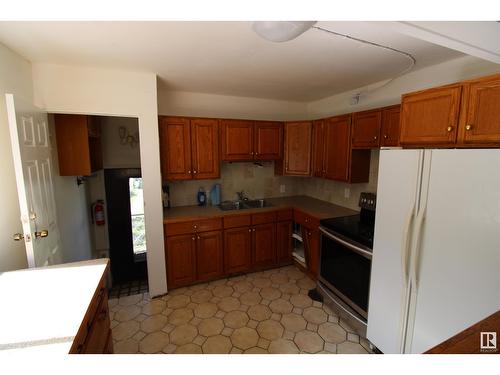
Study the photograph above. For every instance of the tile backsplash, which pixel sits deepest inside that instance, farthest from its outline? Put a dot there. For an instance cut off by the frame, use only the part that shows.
(257, 182)
(260, 182)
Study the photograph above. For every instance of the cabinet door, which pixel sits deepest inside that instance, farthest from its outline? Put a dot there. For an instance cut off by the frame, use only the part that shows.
(284, 242)
(264, 245)
(298, 147)
(181, 260)
(205, 148)
(482, 124)
(237, 250)
(311, 246)
(175, 148)
(337, 150)
(209, 255)
(430, 117)
(318, 149)
(268, 140)
(97, 336)
(237, 140)
(390, 126)
(366, 129)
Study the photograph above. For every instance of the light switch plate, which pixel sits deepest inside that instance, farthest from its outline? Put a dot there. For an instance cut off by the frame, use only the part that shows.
(347, 193)
(282, 188)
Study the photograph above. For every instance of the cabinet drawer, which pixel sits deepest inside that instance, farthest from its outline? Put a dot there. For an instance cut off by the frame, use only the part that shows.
(187, 227)
(264, 217)
(284, 215)
(305, 220)
(235, 221)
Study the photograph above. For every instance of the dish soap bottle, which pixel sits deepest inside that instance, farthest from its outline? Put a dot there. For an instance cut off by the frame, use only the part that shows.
(202, 197)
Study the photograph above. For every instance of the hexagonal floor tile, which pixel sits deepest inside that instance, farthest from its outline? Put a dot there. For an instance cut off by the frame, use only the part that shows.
(188, 349)
(210, 327)
(180, 316)
(270, 329)
(217, 345)
(244, 338)
(128, 346)
(306, 283)
(309, 342)
(223, 291)
(154, 323)
(315, 315)
(282, 346)
(348, 347)
(127, 313)
(250, 298)
(270, 293)
(201, 296)
(255, 350)
(178, 301)
(279, 278)
(125, 330)
(261, 282)
(293, 322)
(236, 319)
(300, 300)
(228, 304)
(154, 342)
(130, 300)
(153, 307)
(332, 332)
(259, 312)
(183, 334)
(242, 286)
(281, 306)
(290, 288)
(205, 310)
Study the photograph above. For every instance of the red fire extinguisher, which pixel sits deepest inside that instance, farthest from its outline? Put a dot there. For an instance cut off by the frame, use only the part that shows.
(98, 212)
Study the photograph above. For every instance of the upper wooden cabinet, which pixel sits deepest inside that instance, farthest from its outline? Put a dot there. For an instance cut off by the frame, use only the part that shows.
(245, 140)
(268, 140)
(318, 148)
(298, 150)
(237, 140)
(79, 147)
(189, 148)
(366, 129)
(389, 133)
(431, 116)
(481, 121)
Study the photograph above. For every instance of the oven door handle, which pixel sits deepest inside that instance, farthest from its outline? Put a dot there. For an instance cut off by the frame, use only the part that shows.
(358, 250)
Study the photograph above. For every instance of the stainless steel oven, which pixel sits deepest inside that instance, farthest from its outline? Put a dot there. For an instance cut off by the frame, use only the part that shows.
(345, 263)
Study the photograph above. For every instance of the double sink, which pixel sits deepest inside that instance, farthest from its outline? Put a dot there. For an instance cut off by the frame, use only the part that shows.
(244, 204)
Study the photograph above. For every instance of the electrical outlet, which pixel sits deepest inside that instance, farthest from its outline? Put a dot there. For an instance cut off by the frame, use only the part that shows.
(347, 193)
(282, 188)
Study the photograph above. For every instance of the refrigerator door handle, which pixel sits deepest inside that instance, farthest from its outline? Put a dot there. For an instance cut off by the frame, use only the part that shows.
(416, 250)
(406, 245)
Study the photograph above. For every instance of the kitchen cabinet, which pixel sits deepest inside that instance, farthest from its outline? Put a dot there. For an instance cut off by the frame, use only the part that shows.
(366, 129)
(189, 148)
(318, 149)
(389, 134)
(237, 250)
(337, 148)
(284, 242)
(480, 123)
(79, 146)
(246, 140)
(209, 255)
(264, 245)
(268, 140)
(237, 140)
(430, 117)
(181, 260)
(297, 150)
(310, 236)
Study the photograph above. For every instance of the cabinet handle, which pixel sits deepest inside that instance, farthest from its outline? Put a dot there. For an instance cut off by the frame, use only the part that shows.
(253, 229)
(449, 129)
(193, 238)
(249, 230)
(385, 136)
(468, 127)
(375, 137)
(195, 226)
(189, 172)
(195, 172)
(198, 237)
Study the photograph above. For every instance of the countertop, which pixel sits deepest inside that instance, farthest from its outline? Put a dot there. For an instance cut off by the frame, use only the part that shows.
(43, 308)
(312, 206)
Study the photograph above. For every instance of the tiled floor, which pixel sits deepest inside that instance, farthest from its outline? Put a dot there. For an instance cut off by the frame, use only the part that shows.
(262, 312)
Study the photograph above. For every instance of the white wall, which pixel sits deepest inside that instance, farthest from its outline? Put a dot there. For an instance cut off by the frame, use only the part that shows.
(114, 154)
(176, 103)
(73, 89)
(15, 78)
(436, 75)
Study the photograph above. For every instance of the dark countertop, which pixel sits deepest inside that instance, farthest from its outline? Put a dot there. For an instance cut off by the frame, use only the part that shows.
(312, 206)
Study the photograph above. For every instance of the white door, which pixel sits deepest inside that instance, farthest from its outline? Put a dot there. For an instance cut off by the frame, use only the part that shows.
(31, 151)
(457, 268)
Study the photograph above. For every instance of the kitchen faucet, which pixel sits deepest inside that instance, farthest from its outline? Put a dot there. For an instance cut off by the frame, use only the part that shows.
(241, 195)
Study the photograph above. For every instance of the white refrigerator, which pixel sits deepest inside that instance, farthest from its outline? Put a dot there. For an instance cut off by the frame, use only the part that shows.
(436, 253)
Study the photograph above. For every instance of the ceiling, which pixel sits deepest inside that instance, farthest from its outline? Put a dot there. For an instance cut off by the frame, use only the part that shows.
(227, 58)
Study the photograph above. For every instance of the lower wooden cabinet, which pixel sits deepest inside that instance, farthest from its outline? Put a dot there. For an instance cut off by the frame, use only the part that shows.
(209, 256)
(284, 243)
(311, 246)
(237, 250)
(264, 245)
(181, 260)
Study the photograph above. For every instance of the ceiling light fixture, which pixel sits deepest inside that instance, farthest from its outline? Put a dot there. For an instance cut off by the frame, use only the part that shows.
(283, 31)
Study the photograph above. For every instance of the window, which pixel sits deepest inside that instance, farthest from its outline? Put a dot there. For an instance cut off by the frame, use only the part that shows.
(137, 215)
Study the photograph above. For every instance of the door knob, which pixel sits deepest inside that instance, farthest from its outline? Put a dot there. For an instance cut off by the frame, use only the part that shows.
(43, 233)
(18, 236)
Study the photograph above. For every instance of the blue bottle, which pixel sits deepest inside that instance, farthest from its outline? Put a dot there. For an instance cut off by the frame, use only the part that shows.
(215, 195)
(202, 197)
